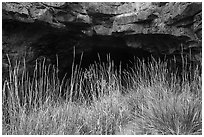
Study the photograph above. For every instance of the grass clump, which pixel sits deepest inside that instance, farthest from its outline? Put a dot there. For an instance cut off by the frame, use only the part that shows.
(100, 100)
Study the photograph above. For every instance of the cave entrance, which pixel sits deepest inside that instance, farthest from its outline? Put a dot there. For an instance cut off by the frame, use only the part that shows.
(122, 57)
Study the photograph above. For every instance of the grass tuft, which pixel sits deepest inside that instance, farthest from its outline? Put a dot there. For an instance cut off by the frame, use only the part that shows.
(101, 100)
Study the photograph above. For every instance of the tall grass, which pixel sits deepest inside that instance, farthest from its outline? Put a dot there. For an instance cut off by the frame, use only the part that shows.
(145, 99)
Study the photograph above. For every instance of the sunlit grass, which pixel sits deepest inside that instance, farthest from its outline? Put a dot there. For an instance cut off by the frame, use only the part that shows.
(145, 99)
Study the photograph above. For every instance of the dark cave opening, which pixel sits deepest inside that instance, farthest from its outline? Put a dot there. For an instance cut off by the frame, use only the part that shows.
(122, 57)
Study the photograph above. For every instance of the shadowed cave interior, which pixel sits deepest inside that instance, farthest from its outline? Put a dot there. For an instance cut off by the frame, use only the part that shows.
(122, 57)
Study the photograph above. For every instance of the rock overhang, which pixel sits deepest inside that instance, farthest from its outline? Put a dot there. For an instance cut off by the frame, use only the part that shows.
(159, 28)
